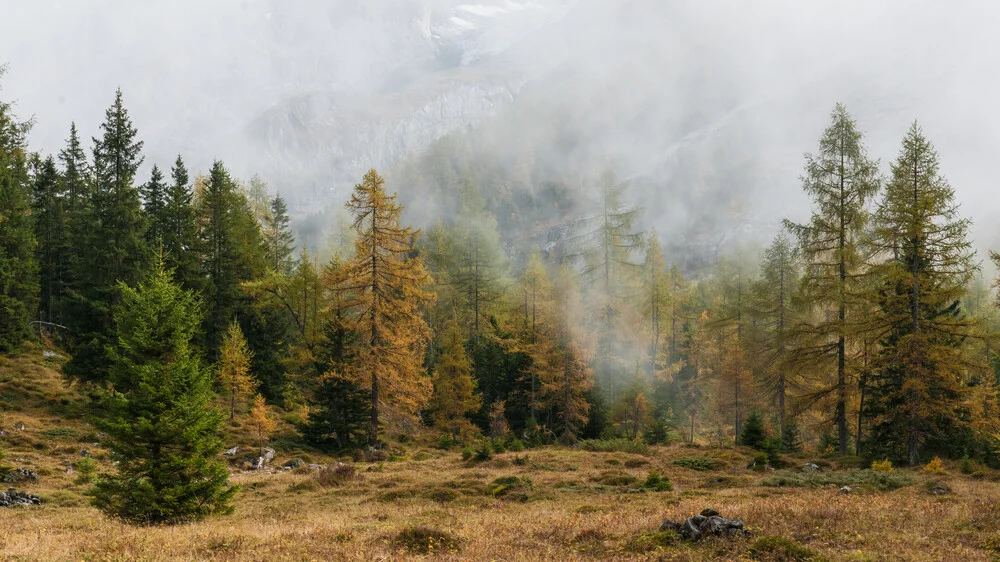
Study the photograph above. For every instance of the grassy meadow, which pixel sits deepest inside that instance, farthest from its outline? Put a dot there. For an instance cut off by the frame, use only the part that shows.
(552, 503)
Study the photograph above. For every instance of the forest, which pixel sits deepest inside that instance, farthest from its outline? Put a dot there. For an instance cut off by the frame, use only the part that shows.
(188, 308)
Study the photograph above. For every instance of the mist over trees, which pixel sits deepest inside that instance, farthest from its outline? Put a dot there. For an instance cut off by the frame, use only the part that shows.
(181, 298)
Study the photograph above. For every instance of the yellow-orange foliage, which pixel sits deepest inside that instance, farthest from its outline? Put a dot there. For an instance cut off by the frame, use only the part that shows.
(386, 285)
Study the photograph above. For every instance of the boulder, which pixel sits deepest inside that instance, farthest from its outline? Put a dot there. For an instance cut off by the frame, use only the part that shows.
(231, 452)
(293, 464)
(268, 455)
(810, 467)
(13, 497)
(845, 489)
(19, 474)
(708, 523)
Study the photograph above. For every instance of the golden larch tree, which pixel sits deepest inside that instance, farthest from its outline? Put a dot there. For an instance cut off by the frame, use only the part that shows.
(234, 367)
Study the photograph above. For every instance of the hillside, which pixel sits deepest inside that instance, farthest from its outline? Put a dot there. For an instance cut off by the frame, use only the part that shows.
(548, 503)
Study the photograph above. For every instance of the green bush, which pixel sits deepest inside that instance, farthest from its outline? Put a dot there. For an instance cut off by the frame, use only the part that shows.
(468, 453)
(86, 469)
(506, 485)
(515, 445)
(652, 541)
(754, 433)
(445, 442)
(698, 463)
(59, 432)
(657, 483)
(484, 452)
(614, 445)
(780, 549)
(615, 478)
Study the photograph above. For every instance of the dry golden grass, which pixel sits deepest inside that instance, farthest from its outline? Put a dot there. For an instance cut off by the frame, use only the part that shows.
(580, 506)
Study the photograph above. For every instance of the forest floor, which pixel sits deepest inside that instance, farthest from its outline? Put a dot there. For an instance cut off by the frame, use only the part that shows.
(552, 503)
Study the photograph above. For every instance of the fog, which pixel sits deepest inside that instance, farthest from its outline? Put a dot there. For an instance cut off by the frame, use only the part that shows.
(706, 106)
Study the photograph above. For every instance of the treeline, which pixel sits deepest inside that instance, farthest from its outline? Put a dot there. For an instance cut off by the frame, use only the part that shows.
(861, 331)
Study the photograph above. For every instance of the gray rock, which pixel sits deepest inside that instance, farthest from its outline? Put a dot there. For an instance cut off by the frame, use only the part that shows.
(12, 497)
(20, 426)
(316, 467)
(294, 463)
(845, 489)
(709, 523)
(19, 474)
(231, 452)
(268, 455)
(810, 467)
(84, 453)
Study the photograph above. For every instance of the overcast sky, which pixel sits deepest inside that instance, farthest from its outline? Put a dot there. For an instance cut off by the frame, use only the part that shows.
(196, 73)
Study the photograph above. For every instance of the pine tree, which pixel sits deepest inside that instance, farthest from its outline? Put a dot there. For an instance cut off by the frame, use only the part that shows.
(387, 286)
(918, 397)
(234, 367)
(454, 388)
(339, 413)
(277, 236)
(18, 268)
(113, 232)
(154, 197)
(162, 430)
(76, 174)
(841, 179)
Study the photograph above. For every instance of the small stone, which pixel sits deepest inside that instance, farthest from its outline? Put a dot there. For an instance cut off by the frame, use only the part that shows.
(231, 452)
(845, 489)
(84, 453)
(294, 463)
(810, 467)
(20, 426)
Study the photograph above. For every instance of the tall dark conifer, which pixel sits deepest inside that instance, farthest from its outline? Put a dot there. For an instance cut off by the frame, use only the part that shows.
(52, 235)
(18, 268)
(154, 194)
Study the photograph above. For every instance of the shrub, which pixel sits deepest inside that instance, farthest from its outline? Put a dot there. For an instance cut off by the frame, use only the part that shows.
(882, 466)
(422, 539)
(614, 445)
(445, 442)
(86, 469)
(335, 475)
(935, 466)
(657, 483)
(441, 495)
(507, 484)
(515, 445)
(791, 437)
(754, 433)
(59, 432)
(307, 485)
(780, 549)
(698, 463)
(636, 463)
(967, 466)
(484, 452)
(467, 453)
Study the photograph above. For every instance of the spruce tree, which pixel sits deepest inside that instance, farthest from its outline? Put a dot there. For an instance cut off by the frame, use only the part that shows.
(154, 197)
(918, 395)
(841, 180)
(231, 252)
(18, 268)
(278, 238)
(113, 234)
(162, 430)
(52, 236)
(179, 232)
(387, 287)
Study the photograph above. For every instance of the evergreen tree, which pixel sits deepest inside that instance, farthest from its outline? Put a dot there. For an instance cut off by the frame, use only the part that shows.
(114, 234)
(52, 237)
(154, 197)
(179, 232)
(841, 179)
(754, 433)
(387, 287)
(454, 388)
(277, 236)
(918, 397)
(231, 249)
(76, 174)
(18, 268)
(339, 413)
(162, 430)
